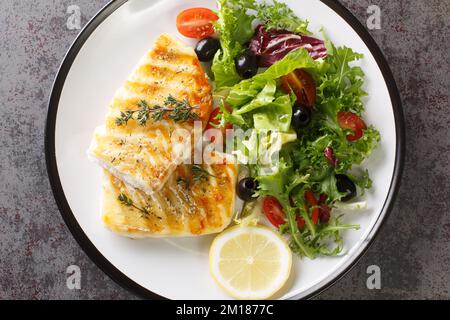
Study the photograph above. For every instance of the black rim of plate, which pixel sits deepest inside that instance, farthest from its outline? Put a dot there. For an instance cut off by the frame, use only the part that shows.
(96, 256)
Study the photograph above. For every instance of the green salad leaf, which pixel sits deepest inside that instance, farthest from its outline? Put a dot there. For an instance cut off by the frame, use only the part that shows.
(234, 28)
(262, 98)
(295, 59)
(302, 165)
(260, 103)
(275, 115)
(277, 15)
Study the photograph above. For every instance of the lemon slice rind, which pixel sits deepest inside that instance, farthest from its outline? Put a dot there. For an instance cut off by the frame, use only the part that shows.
(270, 262)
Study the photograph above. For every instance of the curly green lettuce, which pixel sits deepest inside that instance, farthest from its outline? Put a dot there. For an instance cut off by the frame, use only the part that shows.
(277, 15)
(234, 28)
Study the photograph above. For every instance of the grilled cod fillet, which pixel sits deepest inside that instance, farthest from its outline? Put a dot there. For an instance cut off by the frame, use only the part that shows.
(143, 156)
(183, 207)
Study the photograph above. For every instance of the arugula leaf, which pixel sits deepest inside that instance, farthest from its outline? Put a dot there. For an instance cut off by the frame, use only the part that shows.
(340, 86)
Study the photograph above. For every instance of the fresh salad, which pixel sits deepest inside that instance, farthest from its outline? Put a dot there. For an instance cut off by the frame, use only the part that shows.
(270, 73)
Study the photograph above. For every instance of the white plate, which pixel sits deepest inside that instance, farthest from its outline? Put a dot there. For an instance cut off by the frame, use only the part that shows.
(98, 63)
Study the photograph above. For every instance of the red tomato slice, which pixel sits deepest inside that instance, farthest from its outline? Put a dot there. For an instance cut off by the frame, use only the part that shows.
(302, 84)
(196, 23)
(300, 222)
(273, 211)
(312, 201)
(214, 121)
(349, 120)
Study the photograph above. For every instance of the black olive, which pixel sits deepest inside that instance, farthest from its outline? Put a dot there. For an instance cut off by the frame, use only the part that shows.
(301, 117)
(246, 188)
(345, 185)
(246, 65)
(207, 48)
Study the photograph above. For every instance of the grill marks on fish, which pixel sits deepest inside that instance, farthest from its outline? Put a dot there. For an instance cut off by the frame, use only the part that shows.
(139, 161)
(170, 68)
(176, 210)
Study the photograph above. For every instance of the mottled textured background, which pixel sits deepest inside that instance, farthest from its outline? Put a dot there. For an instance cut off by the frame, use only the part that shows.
(413, 249)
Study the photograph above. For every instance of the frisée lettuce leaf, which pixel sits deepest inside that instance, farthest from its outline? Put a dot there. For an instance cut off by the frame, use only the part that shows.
(234, 28)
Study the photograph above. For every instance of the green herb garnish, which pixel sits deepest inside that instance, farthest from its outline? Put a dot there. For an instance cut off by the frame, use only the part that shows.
(126, 201)
(124, 118)
(183, 182)
(178, 111)
(200, 174)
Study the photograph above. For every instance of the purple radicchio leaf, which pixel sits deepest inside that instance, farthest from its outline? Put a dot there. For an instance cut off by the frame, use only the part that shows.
(272, 46)
(329, 154)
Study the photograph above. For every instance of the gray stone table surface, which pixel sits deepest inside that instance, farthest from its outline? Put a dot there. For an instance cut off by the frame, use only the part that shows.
(412, 250)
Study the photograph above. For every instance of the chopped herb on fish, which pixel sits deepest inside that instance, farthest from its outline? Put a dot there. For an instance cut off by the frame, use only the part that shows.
(177, 110)
(126, 201)
(200, 174)
(183, 182)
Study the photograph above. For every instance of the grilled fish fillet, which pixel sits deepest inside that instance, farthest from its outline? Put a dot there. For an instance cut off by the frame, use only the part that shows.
(144, 156)
(183, 207)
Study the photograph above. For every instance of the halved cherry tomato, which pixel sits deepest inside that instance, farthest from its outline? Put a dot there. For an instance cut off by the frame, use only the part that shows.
(300, 222)
(273, 211)
(196, 23)
(213, 122)
(312, 201)
(349, 120)
(303, 85)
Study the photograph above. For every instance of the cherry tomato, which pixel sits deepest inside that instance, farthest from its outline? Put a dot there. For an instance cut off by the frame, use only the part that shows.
(196, 23)
(303, 85)
(273, 211)
(300, 222)
(349, 120)
(312, 201)
(213, 122)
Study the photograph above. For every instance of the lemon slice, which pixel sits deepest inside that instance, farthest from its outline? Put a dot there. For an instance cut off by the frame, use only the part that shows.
(250, 262)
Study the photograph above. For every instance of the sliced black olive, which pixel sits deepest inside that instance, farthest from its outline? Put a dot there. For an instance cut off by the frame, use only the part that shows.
(246, 65)
(301, 117)
(345, 185)
(246, 188)
(207, 48)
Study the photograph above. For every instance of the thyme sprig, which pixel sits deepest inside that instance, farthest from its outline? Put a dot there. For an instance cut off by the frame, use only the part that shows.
(177, 110)
(183, 182)
(126, 201)
(199, 174)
